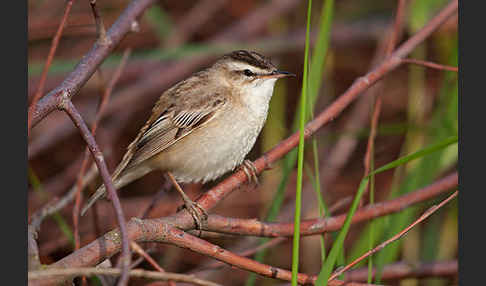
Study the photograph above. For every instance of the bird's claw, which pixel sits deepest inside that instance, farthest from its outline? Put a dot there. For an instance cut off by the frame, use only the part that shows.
(251, 172)
(197, 212)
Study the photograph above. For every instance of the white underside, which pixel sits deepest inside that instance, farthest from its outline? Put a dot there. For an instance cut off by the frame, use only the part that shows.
(224, 142)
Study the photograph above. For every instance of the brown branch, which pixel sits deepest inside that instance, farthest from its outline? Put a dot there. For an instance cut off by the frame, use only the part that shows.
(430, 65)
(50, 56)
(402, 270)
(164, 276)
(156, 229)
(89, 63)
(152, 230)
(316, 226)
(103, 102)
(182, 239)
(382, 245)
(69, 108)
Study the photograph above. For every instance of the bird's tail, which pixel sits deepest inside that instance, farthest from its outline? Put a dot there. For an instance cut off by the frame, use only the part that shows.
(119, 181)
(100, 192)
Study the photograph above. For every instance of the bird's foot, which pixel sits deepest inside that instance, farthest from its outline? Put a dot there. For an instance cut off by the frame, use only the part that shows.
(251, 172)
(197, 212)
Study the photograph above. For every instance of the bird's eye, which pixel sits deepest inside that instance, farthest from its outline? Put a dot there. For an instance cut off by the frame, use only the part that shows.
(248, 72)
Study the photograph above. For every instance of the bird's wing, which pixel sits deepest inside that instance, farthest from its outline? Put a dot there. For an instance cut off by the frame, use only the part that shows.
(173, 117)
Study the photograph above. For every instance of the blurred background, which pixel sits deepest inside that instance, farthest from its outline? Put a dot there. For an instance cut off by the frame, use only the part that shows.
(177, 38)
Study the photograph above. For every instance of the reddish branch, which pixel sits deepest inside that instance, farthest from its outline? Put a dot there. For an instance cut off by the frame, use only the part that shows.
(401, 270)
(68, 106)
(315, 226)
(44, 275)
(397, 28)
(430, 65)
(157, 229)
(50, 57)
(151, 230)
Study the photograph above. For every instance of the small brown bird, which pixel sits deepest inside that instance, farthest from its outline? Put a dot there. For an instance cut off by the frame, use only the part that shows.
(203, 126)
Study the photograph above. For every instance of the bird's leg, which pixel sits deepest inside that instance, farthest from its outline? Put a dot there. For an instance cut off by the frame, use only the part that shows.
(250, 172)
(197, 212)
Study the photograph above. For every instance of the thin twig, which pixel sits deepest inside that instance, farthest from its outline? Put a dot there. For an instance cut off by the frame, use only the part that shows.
(382, 245)
(138, 249)
(402, 270)
(50, 56)
(430, 65)
(100, 27)
(371, 139)
(164, 276)
(340, 204)
(103, 103)
(103, 170)
(397, 28)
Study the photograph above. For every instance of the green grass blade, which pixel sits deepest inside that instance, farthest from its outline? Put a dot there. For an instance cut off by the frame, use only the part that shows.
(316, 67)
(319, 53)
(430, 149)
(300, 157)
(328, 266)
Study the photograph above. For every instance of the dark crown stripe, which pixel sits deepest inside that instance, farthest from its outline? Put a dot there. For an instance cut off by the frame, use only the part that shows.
(251, 58)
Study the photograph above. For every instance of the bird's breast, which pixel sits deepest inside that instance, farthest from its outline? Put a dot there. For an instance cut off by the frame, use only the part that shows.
(215, 148)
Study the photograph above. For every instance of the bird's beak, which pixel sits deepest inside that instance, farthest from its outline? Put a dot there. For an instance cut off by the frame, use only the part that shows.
(276, 74)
